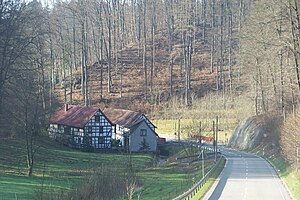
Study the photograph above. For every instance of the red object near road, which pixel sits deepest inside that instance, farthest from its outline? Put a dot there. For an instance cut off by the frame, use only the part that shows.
(204, 139)
(161, 140)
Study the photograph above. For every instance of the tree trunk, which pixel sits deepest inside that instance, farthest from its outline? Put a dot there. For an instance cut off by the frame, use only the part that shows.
(212, 52)
(51, 74)
(138, 34)
(241, 14)
(204, 20)
(71, 81)
(230, 53)
(144, 50)
(82, 59)
(190, 54)
(170, 48)
(109, 49)
(29, 143)
(260, 84)
(153, 24)
(213, 38)
(282, 85)
(121, 81)
(64, 75)
(296, 44)
(101, 65)
(86, 101)
(133, 21)
(222, 47)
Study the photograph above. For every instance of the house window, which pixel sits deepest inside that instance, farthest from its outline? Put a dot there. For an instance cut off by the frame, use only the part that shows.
(76, 140)
(97, 119)
(101, 140)
(59, 126)
(94, 141)
(143, 132)
(67, 130)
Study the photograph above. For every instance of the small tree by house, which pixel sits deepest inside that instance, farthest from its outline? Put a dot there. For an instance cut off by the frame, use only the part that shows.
(144, 145)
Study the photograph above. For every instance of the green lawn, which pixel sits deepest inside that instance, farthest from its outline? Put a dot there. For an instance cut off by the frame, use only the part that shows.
(171, 181)
(59, 170)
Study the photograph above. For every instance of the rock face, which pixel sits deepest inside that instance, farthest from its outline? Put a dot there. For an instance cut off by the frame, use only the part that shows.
(256, 130)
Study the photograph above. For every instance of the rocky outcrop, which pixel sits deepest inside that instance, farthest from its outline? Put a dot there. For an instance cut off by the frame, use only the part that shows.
(256, 130)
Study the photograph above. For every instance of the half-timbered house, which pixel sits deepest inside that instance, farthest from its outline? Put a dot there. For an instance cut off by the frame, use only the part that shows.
(81, 127)
(135, 131)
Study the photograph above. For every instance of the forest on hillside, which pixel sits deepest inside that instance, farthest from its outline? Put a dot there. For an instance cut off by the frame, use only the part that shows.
(146, 55)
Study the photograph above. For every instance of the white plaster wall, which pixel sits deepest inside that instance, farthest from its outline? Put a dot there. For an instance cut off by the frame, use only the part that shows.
(135, 139)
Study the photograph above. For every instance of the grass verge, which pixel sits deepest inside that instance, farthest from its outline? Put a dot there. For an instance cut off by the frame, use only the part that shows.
(290, 176)
(172, 180)
(200, 194)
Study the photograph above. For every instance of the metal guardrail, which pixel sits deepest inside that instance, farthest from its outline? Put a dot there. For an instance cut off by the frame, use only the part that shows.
(192, 191)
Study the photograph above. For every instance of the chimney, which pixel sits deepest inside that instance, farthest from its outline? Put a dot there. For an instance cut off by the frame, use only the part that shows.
(66, 107)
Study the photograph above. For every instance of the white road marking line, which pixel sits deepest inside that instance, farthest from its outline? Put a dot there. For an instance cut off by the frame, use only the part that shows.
(245, 191)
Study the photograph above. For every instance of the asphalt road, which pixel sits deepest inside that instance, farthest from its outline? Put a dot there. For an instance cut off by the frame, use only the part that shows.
(247, 177)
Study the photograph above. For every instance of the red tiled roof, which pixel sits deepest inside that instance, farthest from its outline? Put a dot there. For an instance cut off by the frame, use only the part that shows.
(125, 118)
(75, 116)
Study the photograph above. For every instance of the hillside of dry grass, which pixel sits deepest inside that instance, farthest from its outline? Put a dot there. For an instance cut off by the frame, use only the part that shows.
(130, 69)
